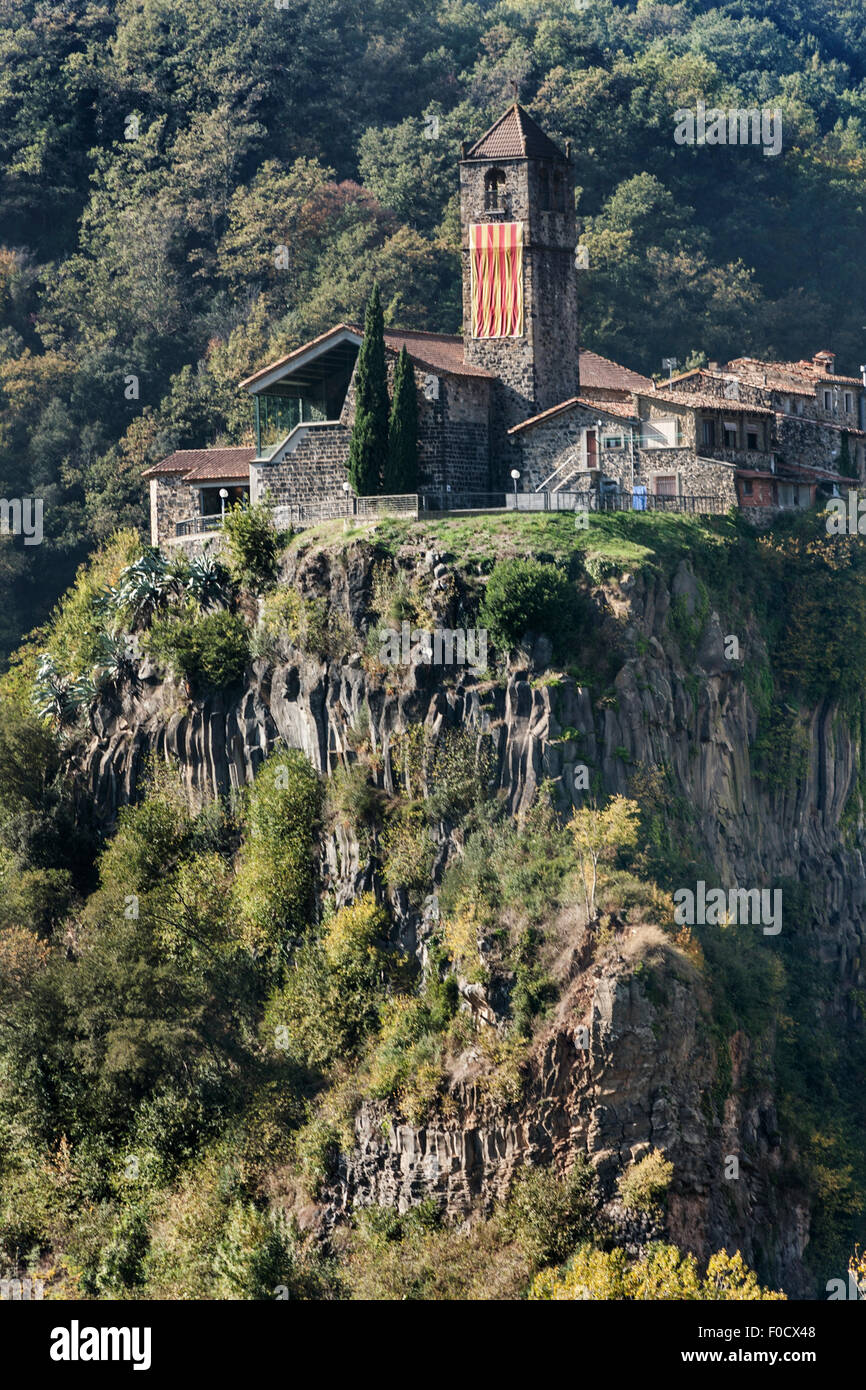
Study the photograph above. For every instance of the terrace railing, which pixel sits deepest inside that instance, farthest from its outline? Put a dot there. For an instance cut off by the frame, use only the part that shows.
(299, 514)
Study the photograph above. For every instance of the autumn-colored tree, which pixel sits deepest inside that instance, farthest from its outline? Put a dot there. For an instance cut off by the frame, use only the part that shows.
(598, 835)
(662, 1273)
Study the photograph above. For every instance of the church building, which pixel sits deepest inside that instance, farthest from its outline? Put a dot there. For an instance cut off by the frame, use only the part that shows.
(514, 392)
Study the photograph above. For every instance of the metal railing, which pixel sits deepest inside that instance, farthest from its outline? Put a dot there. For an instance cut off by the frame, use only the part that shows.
(411, 505)
(586, 499)
(462, 501)
(657, 502)
(198, 525)
(403, 504)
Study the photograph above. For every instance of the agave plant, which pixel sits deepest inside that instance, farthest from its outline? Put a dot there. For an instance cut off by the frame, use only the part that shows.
(145, 586)
(116, 652)
(208, 581)
(57, 696)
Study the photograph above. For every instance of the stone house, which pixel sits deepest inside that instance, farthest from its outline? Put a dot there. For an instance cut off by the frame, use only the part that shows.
(186, 488)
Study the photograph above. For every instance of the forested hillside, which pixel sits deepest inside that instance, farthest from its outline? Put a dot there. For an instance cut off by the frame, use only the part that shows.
(156, 156)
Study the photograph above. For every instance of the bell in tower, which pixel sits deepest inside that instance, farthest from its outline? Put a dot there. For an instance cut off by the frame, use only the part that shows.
(519, 280)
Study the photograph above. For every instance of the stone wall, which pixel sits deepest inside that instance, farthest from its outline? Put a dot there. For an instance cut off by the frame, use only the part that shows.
(454, 432)
(540, 368)
(544, 447)
(311, 467)
(453, 443)
(819, 445)
(171, 501)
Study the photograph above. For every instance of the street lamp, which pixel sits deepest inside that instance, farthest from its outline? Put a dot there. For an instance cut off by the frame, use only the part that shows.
(515, 475)
(224, 494)
(346, 490)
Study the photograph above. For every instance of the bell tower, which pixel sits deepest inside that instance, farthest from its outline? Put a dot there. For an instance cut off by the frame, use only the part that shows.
(518, 234)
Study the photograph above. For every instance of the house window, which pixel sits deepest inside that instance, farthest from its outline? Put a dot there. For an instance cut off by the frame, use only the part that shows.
(613, 441)
(494, 190)
(212, 503)
(730, 435)
(661, 434)
(752, 439)
(849, 400)
(828, 400)
(786, 405)
(708, 434)
(666, 485)
(748, 487)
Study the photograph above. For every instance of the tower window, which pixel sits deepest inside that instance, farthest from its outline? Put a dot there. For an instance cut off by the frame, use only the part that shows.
(494, 190)
(544, 190)
(558, 191)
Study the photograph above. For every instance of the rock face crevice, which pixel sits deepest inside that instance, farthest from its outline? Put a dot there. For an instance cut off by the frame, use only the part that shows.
(647, 1076)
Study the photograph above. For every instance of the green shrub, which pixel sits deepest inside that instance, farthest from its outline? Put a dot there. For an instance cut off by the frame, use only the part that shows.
(334, 991)
(209, 651)
(259, 1256)
(408, 852)
(548, 1216)
(406, 1063)
(662, 1273)
(528, 596)
(252, 545)
(276, 866)
(80, 617)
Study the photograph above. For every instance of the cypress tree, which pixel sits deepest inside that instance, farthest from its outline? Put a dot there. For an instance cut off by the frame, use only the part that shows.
(368, 449)
(401, 470)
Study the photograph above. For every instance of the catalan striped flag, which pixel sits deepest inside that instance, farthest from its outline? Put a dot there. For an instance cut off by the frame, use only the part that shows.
(496, 249)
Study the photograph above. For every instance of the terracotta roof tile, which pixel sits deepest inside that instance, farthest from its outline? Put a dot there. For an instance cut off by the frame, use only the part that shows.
(441, 352)
(617, 408)
(601, 372)
(197, 464)
(701, 401)
(783, 376)
(514, 136)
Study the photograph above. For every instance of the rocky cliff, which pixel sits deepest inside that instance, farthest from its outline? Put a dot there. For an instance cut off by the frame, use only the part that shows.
(646, 1072)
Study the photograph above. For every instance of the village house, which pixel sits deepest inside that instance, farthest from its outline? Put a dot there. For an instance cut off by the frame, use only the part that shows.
(515, 394)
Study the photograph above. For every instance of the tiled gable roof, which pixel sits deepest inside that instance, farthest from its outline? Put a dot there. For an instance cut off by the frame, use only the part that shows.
(514, 136)
(441, 352)
(781, 376)
(698, 400)
(616, 408)
(197, 465)
(602, 374)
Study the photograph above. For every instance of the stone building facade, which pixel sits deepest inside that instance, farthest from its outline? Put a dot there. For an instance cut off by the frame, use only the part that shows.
(187, 486)
(515, 175)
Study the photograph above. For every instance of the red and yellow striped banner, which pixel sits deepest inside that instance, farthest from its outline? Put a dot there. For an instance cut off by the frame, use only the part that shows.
(496, 250)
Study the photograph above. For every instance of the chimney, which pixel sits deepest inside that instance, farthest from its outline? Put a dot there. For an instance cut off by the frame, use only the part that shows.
(712, 366)
(464, 148)
(824, 361)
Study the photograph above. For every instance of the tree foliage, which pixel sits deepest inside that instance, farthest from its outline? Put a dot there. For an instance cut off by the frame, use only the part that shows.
(368, 448)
